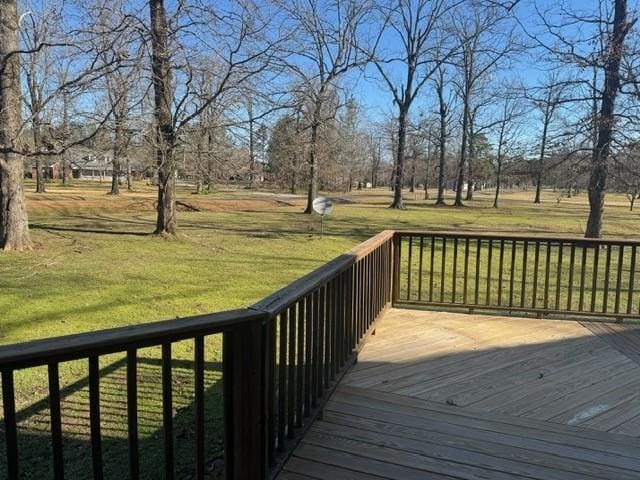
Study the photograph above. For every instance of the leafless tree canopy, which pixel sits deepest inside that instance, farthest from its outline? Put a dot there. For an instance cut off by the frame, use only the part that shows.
(309, 95)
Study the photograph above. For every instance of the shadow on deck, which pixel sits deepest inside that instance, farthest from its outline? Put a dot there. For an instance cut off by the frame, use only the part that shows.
(442, 395)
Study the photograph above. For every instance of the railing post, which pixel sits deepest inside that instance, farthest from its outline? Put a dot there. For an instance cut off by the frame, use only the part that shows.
(244, 402)
(395, 269)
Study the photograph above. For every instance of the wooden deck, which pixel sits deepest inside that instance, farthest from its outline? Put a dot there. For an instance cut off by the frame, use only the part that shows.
(442, 395)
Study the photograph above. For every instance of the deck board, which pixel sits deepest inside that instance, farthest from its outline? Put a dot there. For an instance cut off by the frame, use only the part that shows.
(440, 395)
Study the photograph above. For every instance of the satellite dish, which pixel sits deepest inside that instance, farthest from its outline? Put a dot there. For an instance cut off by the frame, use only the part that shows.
(322, 205)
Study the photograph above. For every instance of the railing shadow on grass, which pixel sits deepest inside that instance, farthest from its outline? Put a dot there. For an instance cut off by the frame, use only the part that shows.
(35, 429)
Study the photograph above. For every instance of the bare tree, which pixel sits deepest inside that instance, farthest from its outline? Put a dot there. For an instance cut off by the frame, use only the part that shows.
(235, 45)
(594, 44)
(547, 98)
(374, 150)
(326, 44)
(38, 66)
(486, 39)
(606, 118)
(444, 113)
(165, 128)
(507, 127)
(121, 44)
(423, 45)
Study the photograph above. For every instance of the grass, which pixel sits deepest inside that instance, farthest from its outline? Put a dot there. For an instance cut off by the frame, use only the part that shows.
(96, 266)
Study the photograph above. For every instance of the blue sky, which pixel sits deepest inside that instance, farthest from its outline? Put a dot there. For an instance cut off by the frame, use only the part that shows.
(527, 67)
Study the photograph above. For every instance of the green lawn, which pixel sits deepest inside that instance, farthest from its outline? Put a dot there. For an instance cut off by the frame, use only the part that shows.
(95, 266)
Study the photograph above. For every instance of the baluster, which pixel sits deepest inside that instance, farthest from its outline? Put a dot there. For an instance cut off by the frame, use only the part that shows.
(324, 315)
(167, 411)
(409, 265)
(433, 249)
(607, 271)
(300, 364)
(132, 414)
(282, 379)
(594, 283)
(443, 268)
(583, 272)
(619, 278)
(536, 258)
(94, 418)
(489, 258)
(10, 428)
(56, 421)
(572, 262)
(198, 358)
(501, 267)
(271, 387)
(525, 251)
(559, 274)
(514, 245)
(420, 269)
(465, 280)
(455, 270)
(632, 273)
(309, 340)
(546, 276)
(477, 285)
(291, 371)
(318, 308)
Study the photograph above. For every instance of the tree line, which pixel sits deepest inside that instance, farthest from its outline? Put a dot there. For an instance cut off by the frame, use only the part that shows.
(480, 94)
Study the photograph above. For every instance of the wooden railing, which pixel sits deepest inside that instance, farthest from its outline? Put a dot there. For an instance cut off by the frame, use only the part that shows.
(316, 325)
(517, 273)
(280, 358)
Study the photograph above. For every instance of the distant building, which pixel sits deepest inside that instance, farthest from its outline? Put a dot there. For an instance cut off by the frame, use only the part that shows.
(86, 166)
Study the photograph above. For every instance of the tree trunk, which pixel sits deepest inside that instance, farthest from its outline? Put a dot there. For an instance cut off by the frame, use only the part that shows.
(65, 128)
(252, 156)
(313, 174)
(441, 163)
(119, 141)
(399, 167)
(606, 120)
(115, 177)
(543, 145)
(165, 137)
(128, 167)
(14, 223)
(39, 175)
(496, 200)
(470, 163)
(463, 155)
(37, 144)
(412, 185)
(313, 145)
(442, 140)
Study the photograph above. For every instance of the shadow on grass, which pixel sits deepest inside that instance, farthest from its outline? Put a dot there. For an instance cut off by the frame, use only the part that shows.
(34, 440)
(37, 226)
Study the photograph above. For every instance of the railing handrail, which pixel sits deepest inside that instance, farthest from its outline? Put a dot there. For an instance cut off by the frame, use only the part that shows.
(534, 237)
(279, 300)
(72, 347)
